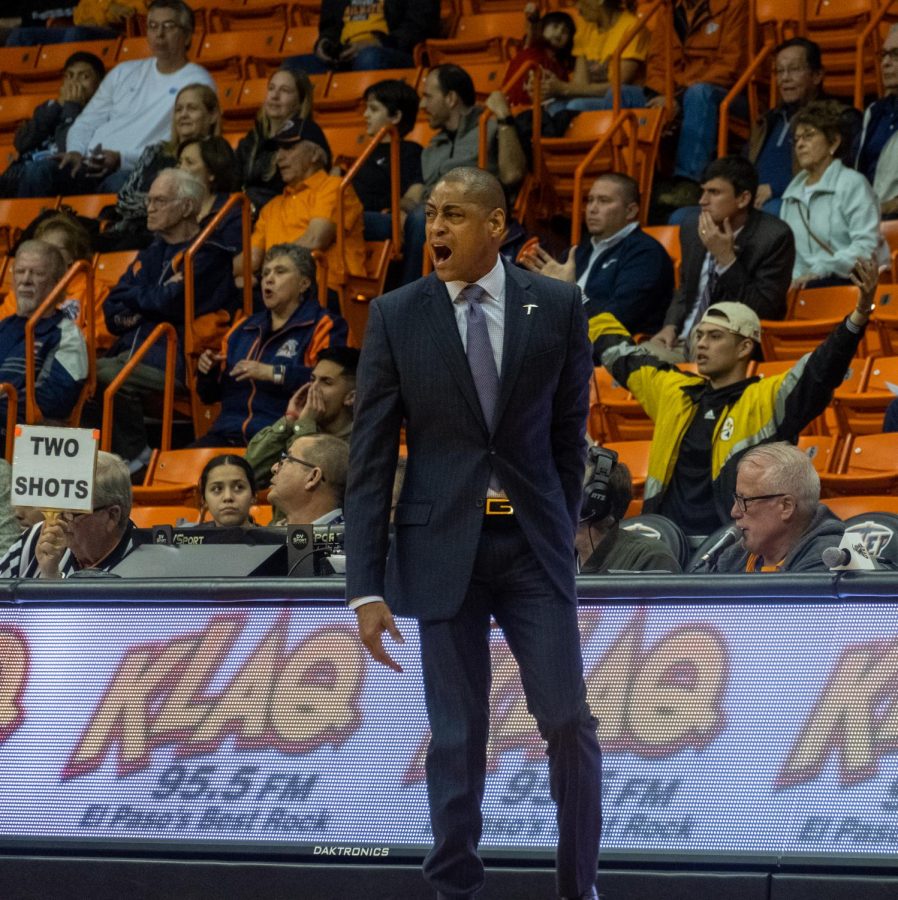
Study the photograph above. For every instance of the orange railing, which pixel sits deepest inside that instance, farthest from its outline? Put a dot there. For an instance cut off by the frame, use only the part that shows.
(12, 407)
(723, 125)
(617, 57)
(394, 191)
(32, 411)
(622, 118)
(167, 330)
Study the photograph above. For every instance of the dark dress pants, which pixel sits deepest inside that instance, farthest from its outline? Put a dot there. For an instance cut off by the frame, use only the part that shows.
(540, 627)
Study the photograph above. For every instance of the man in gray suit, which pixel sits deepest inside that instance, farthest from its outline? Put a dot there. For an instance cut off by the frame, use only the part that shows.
(730, 252)
(488, 368)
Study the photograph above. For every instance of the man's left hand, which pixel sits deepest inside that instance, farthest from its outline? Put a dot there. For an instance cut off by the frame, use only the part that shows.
(498, 105)
(865, 275)
(252, 368)
(52, 545)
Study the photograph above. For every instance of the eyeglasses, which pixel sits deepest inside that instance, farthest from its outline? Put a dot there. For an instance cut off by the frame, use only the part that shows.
(742, 502)
(286, 457)
(166, 27)
(806, 134)
(890, 55)
(789, 70)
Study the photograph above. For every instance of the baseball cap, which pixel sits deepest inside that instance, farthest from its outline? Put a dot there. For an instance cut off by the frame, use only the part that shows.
(735, 317)
(295, 130)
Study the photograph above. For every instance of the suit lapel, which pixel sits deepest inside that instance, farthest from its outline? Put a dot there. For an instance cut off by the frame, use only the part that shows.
(521, 311)
(440, 319)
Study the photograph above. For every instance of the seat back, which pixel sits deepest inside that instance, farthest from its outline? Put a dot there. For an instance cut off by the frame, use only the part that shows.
(668, 236)
(635, 456)
(859, 506)
(358, 291)
(824, 303)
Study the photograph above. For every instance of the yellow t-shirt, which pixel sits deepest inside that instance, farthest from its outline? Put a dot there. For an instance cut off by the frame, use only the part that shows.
(361, 19)
(597, 44)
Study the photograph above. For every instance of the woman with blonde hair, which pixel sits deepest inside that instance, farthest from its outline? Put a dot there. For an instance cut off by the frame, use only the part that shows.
(289, 97)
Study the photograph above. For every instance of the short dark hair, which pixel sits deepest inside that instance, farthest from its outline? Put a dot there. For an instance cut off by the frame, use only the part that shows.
(219, 158)
(629, 187)
(81, 56)
(737, 170)
(345, 357)
(397, 97)
(451, 77)
(185, 13)
(481, 187)
(811, 51)
(620, 491)
(826, 116)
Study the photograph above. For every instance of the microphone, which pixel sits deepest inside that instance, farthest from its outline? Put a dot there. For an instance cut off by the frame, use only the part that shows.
(727, 539)
(851, 554)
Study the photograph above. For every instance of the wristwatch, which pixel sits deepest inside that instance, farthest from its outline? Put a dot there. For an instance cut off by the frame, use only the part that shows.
(278, 374)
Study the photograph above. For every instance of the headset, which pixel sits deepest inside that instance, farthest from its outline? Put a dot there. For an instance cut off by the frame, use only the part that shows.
(596, 493)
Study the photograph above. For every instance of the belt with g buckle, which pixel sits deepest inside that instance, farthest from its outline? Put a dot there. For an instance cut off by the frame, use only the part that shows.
(498, 506)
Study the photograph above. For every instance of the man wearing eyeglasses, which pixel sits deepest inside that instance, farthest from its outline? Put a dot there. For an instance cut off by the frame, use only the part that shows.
(705, 422)
(777, 508)
(878, 154)
(131, 109)
(69, 542)
(309, 480)
(799, 79)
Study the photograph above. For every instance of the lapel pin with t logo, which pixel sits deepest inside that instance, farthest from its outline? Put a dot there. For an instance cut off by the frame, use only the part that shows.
(530, 307)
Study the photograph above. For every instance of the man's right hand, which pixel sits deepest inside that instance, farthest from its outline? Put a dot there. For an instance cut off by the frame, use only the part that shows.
(52, 545)
(667, 337)
(373, 620)
(207, 361)
(71, 160)
(537, 260)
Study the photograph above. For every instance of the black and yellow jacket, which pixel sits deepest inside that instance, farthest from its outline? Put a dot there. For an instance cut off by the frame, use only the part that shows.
(776, 408)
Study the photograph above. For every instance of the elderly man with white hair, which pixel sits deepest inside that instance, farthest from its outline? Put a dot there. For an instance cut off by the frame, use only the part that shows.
(69, 542)
(152, 291)
(777, 508)
(60, 359)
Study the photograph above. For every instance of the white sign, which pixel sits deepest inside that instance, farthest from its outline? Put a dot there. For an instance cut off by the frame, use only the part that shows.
(53, 468)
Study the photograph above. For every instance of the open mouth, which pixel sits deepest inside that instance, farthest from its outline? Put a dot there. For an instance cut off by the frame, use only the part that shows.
(441, 253)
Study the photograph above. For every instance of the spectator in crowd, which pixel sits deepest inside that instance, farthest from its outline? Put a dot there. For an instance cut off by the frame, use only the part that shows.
(549, 43)
(152, 291)
(213, 163)
(227, 490)
(131, 109)
(93, 20)
(709, 54)
(323, 405)
(604, 26)
(799, 78)
(602, 545)
(370, 35)
(308, 482)
(10, 530)
(449, 99)
(776, 506)
(388, 102)
(73, 241)
(877, 157)
(44, 135)
(704, 422)
(271, 354)
(619, 268)
(830, 208)
(288, 98)
(60, 353)
(890, 422)
(730, 251)
(196, 115)
(305, 214)
(68, 542)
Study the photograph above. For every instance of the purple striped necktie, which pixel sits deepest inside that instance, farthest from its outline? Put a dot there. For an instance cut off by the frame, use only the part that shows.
(480, 353)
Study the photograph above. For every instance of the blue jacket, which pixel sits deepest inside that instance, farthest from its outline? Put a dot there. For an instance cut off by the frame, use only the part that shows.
(250, 405)
(634, 281)
(146, 295)
(60, 363)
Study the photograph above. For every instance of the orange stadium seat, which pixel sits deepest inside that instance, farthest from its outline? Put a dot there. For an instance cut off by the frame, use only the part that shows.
(89, 205)
(15, 61)
(669, 238)
(824, 303)
(299, 39)
(487, 77)
(16, 214)
(148, 516)
(846, 507)
(227, 51)
(822, 450)
(346, 142)
(133, 48)
(358, 291)
(862, 411)
(888, 228)
(172, 476)
(252, 16)
(869, 465)
(341, 102)
(46, 77)
(635, 454)
(602, 387)
(478, 38)
(15, 110)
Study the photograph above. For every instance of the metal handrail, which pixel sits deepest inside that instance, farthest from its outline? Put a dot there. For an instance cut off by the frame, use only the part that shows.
(617, 57)
(723, 124)
(33, 414)
(862, 38)
(168, 391)
(12, 412)
(393, 133)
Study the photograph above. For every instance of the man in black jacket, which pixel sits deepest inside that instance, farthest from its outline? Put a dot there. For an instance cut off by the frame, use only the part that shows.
(371, 34)
(619, 268)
